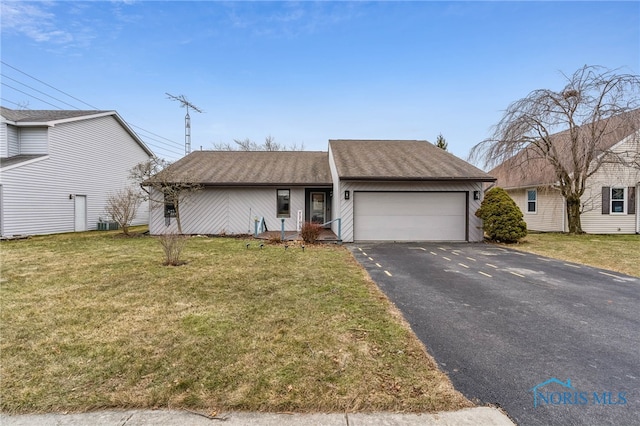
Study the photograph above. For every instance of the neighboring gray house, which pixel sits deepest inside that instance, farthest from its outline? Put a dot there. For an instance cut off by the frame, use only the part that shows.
(379, 190)
(58, 167)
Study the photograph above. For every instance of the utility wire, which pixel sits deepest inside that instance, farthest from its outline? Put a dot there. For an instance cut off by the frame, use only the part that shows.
(48, 85)
(175, 144)
(28, 94)
(33, 88)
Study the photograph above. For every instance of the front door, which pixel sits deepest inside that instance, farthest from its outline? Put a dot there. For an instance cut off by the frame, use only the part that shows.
(318, 207)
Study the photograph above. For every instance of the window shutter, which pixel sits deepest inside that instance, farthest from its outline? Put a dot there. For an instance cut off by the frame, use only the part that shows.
(631, 204)
(606, 199)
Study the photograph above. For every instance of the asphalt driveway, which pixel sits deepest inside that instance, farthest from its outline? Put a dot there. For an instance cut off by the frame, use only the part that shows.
(548, 341)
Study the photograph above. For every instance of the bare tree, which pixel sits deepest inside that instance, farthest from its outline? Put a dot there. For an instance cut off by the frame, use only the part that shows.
(163, 187)
(568, 132)
(247, 144)
(122, 206)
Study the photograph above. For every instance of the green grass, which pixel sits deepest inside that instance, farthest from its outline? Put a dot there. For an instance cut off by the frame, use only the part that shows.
(620, 253)
(93, 320)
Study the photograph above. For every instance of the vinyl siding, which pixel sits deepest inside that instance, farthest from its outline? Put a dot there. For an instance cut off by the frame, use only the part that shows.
(33, 140)
(231, 211)
(549, 217)
(338, 195)
(346, 206)
(550, 209)
(8, 141)
(86, 157)
(611, 175)
(4, 145)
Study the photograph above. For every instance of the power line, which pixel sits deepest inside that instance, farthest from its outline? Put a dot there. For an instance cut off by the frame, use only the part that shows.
(33, 88)
(172, 144)
(48, 85)
(28, 94)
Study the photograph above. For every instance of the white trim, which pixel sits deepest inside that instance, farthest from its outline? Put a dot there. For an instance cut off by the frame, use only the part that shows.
(535, 202)
(625, 200)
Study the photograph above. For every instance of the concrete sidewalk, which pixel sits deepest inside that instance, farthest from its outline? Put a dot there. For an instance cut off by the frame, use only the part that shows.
(470, 416)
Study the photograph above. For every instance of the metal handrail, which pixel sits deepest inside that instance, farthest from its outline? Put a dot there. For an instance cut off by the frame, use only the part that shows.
(339, 220)
(260, 226)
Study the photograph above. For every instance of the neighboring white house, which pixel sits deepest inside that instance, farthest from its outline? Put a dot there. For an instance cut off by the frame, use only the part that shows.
(610, 203)
(367, 189)
(58, 167)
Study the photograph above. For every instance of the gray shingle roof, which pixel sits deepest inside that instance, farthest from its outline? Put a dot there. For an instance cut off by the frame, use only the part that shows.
(400, 160)
(527, 168)
(43, 116)
(17, 159)
(251, 168)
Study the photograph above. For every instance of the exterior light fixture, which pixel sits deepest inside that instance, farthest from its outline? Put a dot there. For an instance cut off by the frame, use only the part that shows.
(346, 195)
(476, 195)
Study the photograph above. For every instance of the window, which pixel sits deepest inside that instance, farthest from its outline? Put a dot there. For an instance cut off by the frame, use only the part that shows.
(283, 203)
(617, 200)
(532, 201)
(169, 206)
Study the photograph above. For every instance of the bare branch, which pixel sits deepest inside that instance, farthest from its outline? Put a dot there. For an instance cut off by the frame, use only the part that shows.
(568, 134)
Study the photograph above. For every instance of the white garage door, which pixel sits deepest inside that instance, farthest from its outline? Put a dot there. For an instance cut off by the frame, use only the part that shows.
(410, 216)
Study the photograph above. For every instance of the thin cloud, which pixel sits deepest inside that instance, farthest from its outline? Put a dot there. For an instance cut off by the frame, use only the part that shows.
(34, 21)
(289, 19)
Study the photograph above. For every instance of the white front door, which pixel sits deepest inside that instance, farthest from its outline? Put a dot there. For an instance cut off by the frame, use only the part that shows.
(80, 213)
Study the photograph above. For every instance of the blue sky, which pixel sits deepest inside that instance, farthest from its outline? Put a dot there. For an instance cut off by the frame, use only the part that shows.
(306, 72)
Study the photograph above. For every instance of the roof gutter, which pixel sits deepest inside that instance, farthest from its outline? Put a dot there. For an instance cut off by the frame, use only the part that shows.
(418, 179)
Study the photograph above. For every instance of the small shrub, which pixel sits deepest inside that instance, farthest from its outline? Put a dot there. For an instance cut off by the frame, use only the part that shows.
(123, 206)
(172, 245)
(310, 232)
(275, 239)
(502, 219)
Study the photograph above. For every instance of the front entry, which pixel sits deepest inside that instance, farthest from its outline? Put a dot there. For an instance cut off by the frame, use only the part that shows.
(318, 209)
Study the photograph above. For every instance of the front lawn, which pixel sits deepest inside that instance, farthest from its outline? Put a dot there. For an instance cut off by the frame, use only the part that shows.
(620, 253)
(93, 320)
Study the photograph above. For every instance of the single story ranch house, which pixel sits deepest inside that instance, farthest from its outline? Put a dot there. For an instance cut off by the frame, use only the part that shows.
(363, 190)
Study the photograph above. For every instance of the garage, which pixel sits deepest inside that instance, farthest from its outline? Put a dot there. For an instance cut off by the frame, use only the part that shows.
(410, 216)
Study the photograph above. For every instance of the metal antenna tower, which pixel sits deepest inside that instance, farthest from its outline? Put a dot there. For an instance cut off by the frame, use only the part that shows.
(187, 119)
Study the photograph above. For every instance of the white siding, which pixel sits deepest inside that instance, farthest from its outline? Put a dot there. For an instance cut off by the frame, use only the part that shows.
(33, 140)
(4, 148)
(8, 140)
(338, 194)
(550, 209)
(13, 144)
(346, 206)
(229, 211)
(611, 175)
(88, 157)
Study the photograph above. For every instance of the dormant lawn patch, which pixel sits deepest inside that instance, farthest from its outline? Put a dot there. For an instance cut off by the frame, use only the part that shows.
(620, 253)
(91, 321)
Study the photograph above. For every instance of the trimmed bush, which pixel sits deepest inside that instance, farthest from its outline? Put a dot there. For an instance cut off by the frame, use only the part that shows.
(502, 219)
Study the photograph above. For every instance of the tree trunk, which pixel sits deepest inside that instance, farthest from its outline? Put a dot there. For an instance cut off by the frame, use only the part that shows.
(177, 207)
(573, 215)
